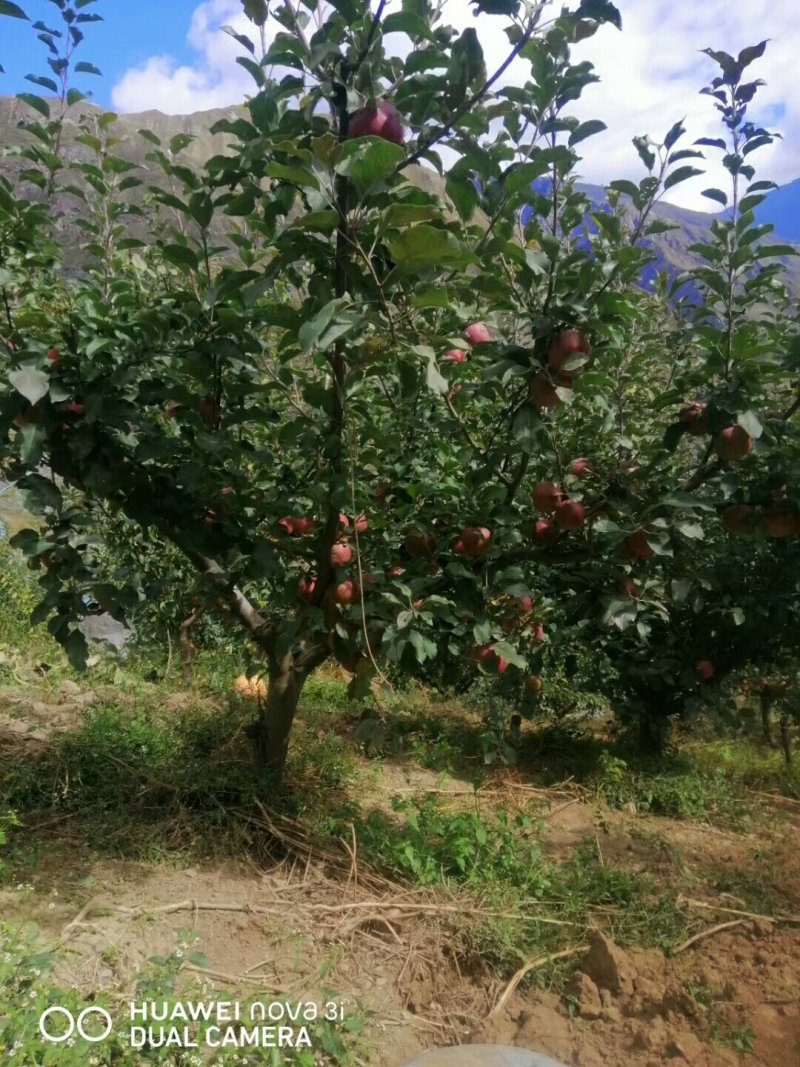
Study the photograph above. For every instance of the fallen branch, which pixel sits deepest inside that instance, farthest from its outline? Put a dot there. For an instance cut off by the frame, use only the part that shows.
(774, 796)
(792, 920)
(525, 970)
(708, 933)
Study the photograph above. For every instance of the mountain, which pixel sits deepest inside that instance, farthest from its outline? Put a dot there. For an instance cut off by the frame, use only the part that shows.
(782, 207)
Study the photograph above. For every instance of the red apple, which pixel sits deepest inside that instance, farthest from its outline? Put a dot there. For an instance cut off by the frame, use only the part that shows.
(630, 588)
(459, 547)
(638, 546)
(694, 415)
(489, 658)
(382, 121)
(54, 356)
(307, 587)
(418, 604)
(172, 410)
(476, 540)
(547, 496)
(420, 544)
(395, 572)
(341, 555)
(455, 355)
(705, 668)
(544, 392)
(739, 519)
(579, 467)
(207, 410)
(361, 524)
(565, 344)
(733, 443)
(287, 524)
(533, 684)
(525, 605)
(75, 408)
(538, 633)
(570, 515)
(227, 490)
(477, 334)
(546, 532)
(346, 592)
(302, 525)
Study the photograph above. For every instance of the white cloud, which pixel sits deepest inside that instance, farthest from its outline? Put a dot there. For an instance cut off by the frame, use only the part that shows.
(651, 74)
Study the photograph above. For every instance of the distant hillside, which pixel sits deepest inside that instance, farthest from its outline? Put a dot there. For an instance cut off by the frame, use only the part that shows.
(782, 207)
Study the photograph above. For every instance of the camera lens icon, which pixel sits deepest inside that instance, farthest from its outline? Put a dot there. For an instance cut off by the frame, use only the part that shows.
(74, 1024)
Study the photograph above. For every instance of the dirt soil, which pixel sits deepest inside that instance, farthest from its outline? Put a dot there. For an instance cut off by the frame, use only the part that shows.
(307, 925)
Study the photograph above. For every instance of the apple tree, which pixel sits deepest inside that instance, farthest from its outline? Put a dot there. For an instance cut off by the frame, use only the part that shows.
(382, 373)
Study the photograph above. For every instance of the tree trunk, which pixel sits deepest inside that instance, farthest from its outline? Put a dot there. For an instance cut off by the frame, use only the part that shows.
(188, 647)
(270, 732)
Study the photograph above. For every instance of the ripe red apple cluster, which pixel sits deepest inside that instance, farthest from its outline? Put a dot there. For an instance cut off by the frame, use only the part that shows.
(569, 347)
(567, 514)
(474, 541)
(731, 444)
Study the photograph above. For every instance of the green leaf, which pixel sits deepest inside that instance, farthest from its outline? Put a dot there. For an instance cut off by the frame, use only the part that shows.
(368, 160)
(181, 256)
(32, 438)
(425, 245)
(434, 380)
(12, 10)
(46, 83)
(36, 102)
(692, 530)
(750, 422)
(31, 383)
(87, 68)
(716, 194)
(295, 175)
(600, 11)
(586, 129)
(256, 10)
(738, 616)
(507, 651)
(747, 55)
(682, 174)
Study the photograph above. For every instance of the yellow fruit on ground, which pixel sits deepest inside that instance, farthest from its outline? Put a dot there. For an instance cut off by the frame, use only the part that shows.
(250, 687)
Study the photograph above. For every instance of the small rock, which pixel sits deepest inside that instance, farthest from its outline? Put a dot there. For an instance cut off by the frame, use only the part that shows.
(586, 995)
(611, 1014)
(687, 1047)
(608, 965)
(68, 688)
(762, 927)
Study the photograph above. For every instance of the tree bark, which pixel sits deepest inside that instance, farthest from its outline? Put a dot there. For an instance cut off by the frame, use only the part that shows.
(270, 732)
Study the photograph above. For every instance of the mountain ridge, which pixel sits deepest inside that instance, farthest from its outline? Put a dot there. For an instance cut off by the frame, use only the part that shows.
(672, 248)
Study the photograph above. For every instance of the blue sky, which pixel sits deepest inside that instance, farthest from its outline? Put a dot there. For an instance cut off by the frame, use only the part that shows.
(131, 32)
(171, 55)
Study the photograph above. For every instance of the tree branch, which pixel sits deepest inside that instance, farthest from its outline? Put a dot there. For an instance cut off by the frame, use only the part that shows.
(476, 96)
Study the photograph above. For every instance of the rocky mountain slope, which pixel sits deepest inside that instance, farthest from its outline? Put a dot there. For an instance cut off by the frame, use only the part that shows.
(672, 248)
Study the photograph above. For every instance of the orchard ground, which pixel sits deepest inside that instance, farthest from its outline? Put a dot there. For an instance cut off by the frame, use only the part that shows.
(401, 873)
